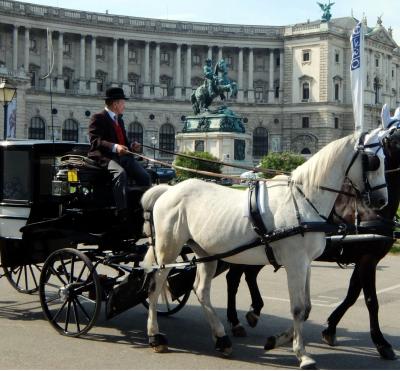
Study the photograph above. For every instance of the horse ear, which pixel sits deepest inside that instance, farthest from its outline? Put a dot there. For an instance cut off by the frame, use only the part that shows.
(385, 115)
(396, 114)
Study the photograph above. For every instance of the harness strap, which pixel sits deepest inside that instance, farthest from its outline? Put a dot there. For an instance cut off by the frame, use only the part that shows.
(258, 224)
(311, 204)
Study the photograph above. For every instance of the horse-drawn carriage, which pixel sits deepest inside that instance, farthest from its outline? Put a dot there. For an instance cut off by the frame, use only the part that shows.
(59, 234)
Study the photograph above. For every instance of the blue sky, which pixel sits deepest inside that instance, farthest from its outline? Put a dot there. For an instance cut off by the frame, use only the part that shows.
(264, 12)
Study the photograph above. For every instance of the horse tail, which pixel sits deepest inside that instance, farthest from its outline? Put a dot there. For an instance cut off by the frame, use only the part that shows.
(148, 200)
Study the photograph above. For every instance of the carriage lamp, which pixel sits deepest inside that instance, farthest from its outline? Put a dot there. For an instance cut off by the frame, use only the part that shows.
(7, 94)
(154, 142)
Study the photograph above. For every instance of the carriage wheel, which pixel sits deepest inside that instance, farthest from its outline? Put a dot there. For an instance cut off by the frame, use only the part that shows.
(24, 278)
(70, 292)
(167, 304)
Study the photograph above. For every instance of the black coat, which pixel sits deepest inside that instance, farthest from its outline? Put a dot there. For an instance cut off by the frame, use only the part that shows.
(102, 137)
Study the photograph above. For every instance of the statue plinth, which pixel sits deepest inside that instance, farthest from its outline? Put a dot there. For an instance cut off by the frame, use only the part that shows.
(221, 133)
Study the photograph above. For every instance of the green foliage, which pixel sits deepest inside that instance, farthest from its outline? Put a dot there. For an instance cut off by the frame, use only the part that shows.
(284, 161)
(196, 164)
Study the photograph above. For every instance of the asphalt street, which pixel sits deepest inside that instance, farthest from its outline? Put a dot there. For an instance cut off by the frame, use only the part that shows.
(27, 340)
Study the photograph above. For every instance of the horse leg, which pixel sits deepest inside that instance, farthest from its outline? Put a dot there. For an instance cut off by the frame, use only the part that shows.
(233, 280)
(353, 292)
(368, 280)
(157, 341)
(205, 273)
(251, 273)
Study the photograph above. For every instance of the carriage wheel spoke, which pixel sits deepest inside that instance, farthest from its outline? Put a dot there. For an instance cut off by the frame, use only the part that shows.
(38, 267)
(82, 309)
(67, 318)
(64, 268)
(59, 312)
(76, 315)
(19, 274)
(81, 272)
(165, 297)
(57, 275)
(52, 299)
(26, 277)
(72, 268)
(86, 298)
(33, 276)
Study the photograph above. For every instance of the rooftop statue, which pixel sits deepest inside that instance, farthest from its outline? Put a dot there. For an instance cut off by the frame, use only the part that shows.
(326, 8)
(216, 83)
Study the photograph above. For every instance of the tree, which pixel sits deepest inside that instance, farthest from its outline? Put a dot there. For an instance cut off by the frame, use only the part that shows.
(285, 161)
(197, 165)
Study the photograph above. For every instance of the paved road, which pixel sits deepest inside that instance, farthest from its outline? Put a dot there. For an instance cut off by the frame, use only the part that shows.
(28, 342)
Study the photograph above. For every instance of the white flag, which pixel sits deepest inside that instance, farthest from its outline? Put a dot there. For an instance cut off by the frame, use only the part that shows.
(357, 68)
(12, 118)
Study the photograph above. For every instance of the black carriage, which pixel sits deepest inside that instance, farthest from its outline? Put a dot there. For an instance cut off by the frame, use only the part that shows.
(59, 233)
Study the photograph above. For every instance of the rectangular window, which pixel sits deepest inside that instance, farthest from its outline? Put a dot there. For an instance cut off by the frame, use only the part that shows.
(100, 52)
(132, 55)
(164, 58)
(306, 92)
(336, 122)
(259, 94)
(376, 62)
(392, 73)
(196, 60)
(229, 62)
(199, 145)
(336, 91)
(32, 45)
(306, 56)
(16, 179)
(67, 48)
(305, 122)
(337, 57)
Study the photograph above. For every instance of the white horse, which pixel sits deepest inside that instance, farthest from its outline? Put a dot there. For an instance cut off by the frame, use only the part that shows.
(210, 218)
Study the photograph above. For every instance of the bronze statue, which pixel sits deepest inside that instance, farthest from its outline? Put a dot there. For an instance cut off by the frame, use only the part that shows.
(326, 8)
(213, 86)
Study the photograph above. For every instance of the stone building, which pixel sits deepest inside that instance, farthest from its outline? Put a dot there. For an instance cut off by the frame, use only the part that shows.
(294, 84)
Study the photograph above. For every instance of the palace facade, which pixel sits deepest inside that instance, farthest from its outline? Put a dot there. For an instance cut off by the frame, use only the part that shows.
(294, 83)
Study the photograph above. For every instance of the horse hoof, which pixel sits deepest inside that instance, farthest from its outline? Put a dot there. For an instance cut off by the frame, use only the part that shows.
(159, 343)
(329, 338)
(223, 345)
(238, 331)
(270, 344)
(386, 352)
(252, 318)
(308, 364)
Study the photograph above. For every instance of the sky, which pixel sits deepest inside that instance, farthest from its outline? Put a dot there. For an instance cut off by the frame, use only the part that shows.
(251, 12)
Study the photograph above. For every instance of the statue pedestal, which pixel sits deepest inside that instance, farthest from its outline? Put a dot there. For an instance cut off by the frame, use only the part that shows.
(222, 134)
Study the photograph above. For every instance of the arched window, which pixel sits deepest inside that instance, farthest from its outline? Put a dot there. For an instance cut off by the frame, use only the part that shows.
(377, 86)
(135, 132)
(167, 138)
(37, 128)
(70, 130)
(260, 142)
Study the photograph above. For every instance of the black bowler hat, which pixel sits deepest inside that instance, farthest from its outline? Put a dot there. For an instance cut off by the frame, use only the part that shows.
(115, 94)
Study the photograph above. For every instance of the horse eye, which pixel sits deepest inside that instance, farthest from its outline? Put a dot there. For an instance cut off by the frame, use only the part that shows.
(373, 163)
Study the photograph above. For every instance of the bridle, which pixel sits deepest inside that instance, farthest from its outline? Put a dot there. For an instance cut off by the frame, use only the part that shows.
(370, 162)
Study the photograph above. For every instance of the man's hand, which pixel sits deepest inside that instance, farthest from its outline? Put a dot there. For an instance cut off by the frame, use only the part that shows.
(121, 150)
(136, 147)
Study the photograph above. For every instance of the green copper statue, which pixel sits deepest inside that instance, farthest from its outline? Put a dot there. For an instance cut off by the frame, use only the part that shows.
(326, 8)
(215, 83)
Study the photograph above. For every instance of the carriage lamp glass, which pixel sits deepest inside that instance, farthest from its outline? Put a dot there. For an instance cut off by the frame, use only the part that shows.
(7, 94)
(154, 142)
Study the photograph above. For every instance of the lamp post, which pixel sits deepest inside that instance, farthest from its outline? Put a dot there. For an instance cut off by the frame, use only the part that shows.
(154, 142)
(7, 94)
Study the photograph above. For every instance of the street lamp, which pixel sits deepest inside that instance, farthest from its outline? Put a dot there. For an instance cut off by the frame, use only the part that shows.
(154, 142)
(7, 94)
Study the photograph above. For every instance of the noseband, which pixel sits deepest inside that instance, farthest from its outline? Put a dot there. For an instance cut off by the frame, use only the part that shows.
(370, 162)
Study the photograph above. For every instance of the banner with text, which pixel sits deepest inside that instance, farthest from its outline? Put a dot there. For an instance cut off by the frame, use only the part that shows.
(357, 78)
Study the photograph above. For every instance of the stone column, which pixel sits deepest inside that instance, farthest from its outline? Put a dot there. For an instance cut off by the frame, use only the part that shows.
(15, 48)
(240, 76)
(281, 66)
(48, 81)
(146, 84)
(157, 89)
(27, 48)
(271, 94)
(188, 72)
(82, 73)
(178, 80)
(60, 77)
(219, 53)
(114, 81)
(209, 52)
(250, 90)
(93, 83)
(397, 84)
(125, 78)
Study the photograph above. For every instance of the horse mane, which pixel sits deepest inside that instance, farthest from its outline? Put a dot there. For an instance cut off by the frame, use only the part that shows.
(312, 173)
